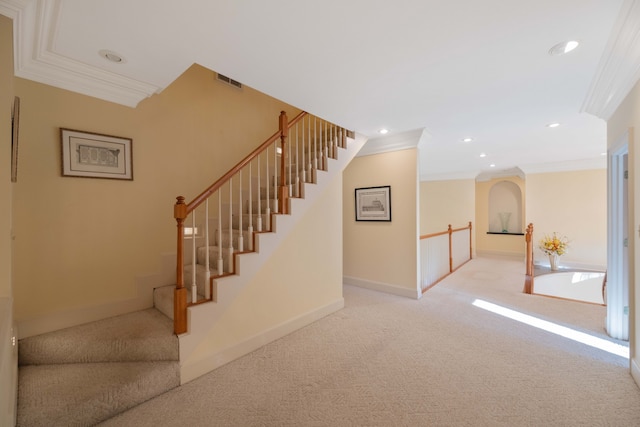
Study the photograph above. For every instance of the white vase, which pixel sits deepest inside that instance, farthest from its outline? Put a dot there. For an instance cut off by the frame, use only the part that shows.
(553, 261)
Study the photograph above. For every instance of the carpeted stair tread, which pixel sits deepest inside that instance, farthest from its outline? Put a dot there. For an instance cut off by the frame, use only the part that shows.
(87, 393)
(140, 336)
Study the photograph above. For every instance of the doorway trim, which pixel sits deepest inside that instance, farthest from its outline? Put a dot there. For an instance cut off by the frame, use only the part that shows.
(617, 291)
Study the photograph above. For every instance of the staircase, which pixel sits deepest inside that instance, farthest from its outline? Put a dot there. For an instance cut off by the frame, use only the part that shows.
(240, 221)
(89, 373)
(227, 219)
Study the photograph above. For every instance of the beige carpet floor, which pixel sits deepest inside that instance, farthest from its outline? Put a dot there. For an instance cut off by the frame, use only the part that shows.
(439, 361)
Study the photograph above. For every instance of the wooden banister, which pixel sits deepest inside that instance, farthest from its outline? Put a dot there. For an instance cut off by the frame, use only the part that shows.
(244, 162)
(183, 210)
(528, 280)
(428, 236)
(180, 294)
(449, 232)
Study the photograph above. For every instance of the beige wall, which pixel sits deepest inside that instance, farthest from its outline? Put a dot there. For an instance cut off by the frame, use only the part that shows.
(578, 198)
(627, 118)
(383, 255)
(8, 353)
(573, 204)
(82, 242)
(6, 103)
(498, 244)
(447, 202)
(301, 281)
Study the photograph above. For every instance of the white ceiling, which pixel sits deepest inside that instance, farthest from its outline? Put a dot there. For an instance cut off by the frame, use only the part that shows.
(441, 70)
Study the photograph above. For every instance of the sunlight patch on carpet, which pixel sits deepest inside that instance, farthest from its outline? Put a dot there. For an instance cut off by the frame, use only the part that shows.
(581, 337)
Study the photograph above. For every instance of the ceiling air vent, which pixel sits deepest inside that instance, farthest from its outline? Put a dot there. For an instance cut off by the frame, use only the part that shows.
(229, 81)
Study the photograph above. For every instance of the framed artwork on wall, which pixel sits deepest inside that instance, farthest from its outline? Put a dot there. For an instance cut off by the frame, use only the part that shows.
(92, 155)
(373, 203)
(15, 127)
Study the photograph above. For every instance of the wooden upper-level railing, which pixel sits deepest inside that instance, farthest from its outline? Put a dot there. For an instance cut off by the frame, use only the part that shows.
(528, 279)
(244, 199)
(439, 257)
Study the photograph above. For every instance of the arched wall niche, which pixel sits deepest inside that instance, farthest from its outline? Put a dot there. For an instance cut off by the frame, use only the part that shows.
(488, 205)
(505, 208)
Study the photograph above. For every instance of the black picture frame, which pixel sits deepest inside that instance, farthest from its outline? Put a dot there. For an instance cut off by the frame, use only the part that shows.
(373, 203)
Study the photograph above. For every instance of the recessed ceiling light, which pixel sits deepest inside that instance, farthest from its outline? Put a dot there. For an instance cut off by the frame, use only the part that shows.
(553, 125)
(483, 155)
(112, 56)
(492, 165)
(603, 154)
(467, 140)
(563, 48)
(383, 131)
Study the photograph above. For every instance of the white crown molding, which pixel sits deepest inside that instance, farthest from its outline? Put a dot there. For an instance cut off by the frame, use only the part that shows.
(34, 31)
(619, 67)
(11, 8)
(501, 173)
(397, 142)
(550, 167)
(452, 176)
(566, 166)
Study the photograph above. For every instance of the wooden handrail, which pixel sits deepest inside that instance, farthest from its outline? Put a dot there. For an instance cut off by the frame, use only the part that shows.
(450, 232)
(528, 280)
(182, 210)
(442, 233)
(244, 162)
(428, 236)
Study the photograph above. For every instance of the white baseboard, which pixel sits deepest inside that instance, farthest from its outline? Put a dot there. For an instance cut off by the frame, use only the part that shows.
(635, 371)
(382, 287)
(213, 361)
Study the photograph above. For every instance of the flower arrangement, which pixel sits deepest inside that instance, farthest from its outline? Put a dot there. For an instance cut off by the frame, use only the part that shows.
(554, 244)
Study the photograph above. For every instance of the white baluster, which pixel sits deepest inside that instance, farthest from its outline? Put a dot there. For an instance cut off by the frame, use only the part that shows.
(307, 166)
(230, 249)
(325, 150)
(194, 286)
(259, 219)
(250, 227)
(330, 145)
(268, 210)
(207, 271)
(240, 231)
(314, 175)
(275, 178)
(297, 166)
(220, 259)
(290, 161)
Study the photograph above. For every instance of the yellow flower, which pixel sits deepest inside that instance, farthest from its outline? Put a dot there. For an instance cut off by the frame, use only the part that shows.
(554, 244)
